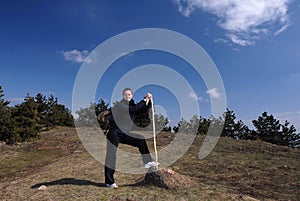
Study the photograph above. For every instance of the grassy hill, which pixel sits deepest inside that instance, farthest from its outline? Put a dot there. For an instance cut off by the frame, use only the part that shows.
(235, 170)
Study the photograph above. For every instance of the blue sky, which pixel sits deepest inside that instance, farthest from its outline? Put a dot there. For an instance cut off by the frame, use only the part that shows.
(255, 46)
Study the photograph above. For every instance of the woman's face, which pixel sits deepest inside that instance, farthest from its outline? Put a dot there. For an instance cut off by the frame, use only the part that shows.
(127, 95)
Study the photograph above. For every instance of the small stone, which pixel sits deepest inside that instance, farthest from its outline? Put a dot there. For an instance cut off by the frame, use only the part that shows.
(42, 188)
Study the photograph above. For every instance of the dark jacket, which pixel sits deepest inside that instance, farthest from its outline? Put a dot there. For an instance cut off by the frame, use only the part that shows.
(124, 114)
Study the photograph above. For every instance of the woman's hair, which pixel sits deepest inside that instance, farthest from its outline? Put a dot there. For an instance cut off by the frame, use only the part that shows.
(127, 89)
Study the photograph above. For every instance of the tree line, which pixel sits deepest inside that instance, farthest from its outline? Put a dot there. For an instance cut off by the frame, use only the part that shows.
(24, 121)
(267, 128)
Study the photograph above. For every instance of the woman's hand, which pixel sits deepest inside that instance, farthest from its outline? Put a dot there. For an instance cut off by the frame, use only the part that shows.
(148, 96)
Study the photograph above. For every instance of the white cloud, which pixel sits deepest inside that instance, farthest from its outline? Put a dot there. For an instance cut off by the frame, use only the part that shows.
(295, 75)
(283, 28)
(76, 56)
(238, 40)
(194, 96)
(236, 49)
(206, 31)
(244, 21)
(213, 93)
(221, 40)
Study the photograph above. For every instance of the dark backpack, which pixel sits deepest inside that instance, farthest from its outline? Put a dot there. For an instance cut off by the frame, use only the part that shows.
(103, 119)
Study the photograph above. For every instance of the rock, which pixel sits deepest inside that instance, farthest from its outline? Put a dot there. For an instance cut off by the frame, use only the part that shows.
(42, 188)
(167, 178)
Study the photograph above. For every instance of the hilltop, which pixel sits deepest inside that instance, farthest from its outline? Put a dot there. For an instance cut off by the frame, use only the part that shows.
(235, 170)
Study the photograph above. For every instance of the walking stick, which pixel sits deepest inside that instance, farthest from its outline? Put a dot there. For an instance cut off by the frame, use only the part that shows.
(154, 136)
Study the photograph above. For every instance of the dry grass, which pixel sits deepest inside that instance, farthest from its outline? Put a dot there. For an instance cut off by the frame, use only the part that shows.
(235, 170)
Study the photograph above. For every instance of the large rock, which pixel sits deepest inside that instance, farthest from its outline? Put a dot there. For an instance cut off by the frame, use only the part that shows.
(167, 178)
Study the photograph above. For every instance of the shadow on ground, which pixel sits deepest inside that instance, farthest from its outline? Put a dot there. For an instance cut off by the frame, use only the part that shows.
(69, 181)
(137, 184)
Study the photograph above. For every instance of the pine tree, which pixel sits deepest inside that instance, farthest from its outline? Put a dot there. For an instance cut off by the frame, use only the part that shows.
(25, 118)
(176, 128)
(183, 126)
(166, 128)
(63, 116)
(194, 125)
(24, 121)
(87, 116)
(233, 129)
(243, 132)
(203, 126)
(269, 129)
(160, 122)
(289, 136)
(42, 107)
(7, 133)
(229, 129)
(51, 110)
(216, 125)
(100, 106)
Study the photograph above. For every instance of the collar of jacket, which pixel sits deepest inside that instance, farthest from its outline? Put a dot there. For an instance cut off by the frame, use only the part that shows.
(131, 102)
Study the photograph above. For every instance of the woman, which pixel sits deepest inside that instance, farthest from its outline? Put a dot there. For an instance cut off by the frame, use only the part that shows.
(124, 114)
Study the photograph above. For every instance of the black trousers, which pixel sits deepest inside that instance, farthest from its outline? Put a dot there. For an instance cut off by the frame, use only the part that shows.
(115, 137)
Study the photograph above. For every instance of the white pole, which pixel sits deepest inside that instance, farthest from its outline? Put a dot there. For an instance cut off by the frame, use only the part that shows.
(154, 136)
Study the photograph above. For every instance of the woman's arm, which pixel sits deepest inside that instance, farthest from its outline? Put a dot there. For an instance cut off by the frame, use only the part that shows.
(138, 107)
(133, 108)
